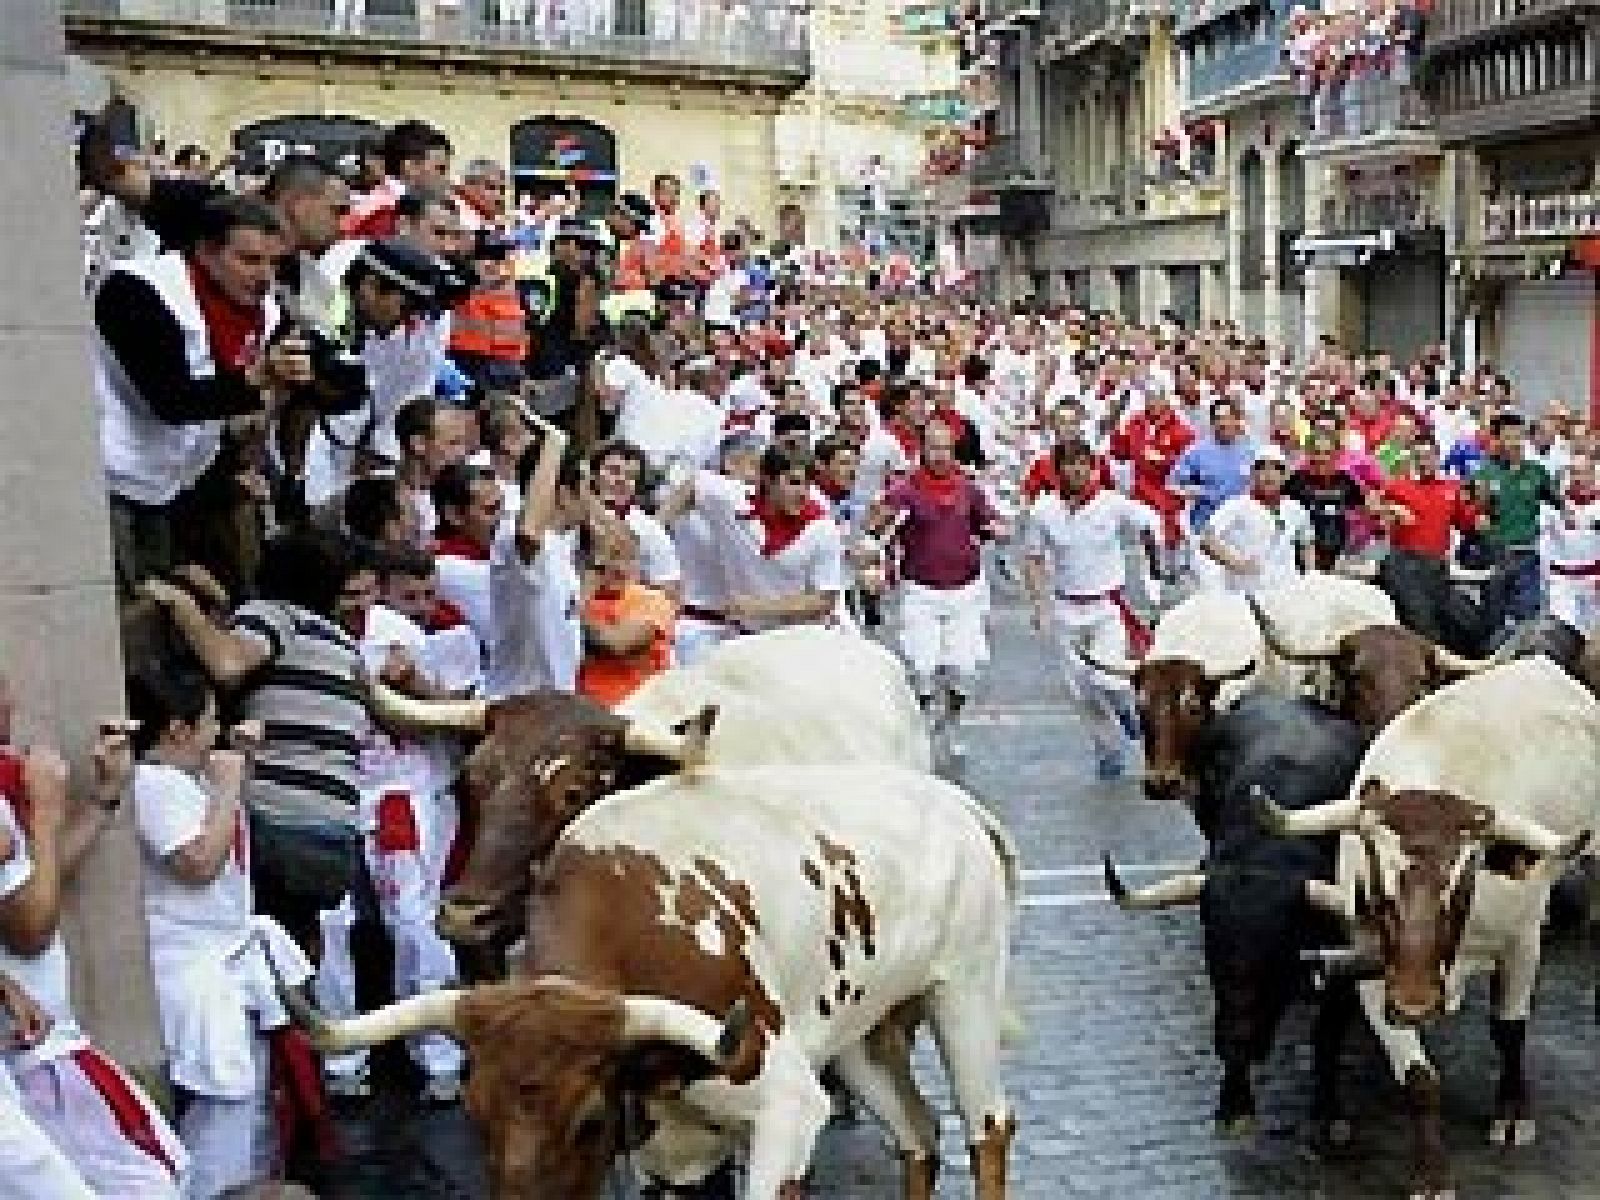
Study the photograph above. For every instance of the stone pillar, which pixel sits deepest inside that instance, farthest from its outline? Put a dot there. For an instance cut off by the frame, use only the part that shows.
(1155, 293)
(58, 626)
(1321, 284)
(1271, 301)
(1236, 215)
(1456, 237)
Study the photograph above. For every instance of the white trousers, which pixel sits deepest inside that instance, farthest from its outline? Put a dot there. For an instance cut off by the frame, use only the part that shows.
(32, 1167)
(406, 855)
(231, 1142)
(1098, 628)
(66, 1106)
(942, 627)
(1575, 600)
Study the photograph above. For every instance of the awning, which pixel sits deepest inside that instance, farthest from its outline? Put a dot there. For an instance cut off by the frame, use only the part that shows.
(1351, 250)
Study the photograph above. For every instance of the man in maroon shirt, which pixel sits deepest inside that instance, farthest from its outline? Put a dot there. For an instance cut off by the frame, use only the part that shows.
(1421, 510)
(941, 517)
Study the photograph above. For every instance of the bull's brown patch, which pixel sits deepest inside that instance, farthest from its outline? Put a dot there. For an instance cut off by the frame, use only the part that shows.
(824, 1007)
(812, 872)
(836, 953)
(842, 992)
(618, 918)
(834, 854)
(735, 892)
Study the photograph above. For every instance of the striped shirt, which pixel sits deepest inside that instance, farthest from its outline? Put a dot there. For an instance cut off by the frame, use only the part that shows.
(308, 697)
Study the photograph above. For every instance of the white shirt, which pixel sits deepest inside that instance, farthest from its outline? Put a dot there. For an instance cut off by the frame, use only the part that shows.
(1250, 529)
(881, 455)
(723, 294)
(464, 582)
(667, 426)
(658, 558)
(537, 636)
(705, 582)
(813, 562)
(185, 919)
(1082, 547)
(44, 976)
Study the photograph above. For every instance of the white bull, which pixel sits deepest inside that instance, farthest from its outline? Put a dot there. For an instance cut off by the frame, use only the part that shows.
(824, 904)
(803, 695)
(1462, 815)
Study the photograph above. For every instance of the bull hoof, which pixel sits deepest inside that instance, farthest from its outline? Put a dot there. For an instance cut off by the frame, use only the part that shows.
(1235, 1128)
(1512, 1133)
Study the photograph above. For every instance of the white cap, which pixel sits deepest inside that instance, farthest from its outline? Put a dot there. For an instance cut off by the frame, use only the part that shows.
(1269, 454)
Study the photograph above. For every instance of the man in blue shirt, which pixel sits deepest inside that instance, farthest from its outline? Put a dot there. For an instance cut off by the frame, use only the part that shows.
(1217, 468)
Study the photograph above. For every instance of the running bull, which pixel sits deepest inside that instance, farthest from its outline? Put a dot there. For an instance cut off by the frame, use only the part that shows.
(1465, 810)
(1251, 892)
(1208, 653)
(703, 945)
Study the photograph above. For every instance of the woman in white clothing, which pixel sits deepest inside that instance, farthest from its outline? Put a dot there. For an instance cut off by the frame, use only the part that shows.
(1261, 537)
(209, 951)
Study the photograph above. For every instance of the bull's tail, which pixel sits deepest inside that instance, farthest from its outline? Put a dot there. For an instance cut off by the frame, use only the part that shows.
(1013, 1028)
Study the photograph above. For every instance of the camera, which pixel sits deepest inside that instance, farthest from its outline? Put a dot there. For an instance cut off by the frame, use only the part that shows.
(340, 375)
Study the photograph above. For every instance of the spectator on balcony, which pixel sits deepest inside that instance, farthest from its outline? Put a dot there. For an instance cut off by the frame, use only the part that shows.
(414, 154)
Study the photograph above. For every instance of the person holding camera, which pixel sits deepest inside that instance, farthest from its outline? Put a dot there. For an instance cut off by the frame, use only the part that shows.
(183, 347)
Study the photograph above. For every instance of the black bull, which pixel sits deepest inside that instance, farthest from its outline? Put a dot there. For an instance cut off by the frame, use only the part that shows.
(1257, 920)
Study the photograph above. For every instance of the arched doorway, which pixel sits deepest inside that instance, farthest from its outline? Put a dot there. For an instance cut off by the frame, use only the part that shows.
(262, 143)
(550, 154)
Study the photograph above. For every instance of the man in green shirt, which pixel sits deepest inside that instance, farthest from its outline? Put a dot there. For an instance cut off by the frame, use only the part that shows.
(1511, 487)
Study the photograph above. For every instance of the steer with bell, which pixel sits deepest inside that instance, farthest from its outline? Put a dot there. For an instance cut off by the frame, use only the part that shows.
(1464, 811)
(1252, 892)
(820, 910)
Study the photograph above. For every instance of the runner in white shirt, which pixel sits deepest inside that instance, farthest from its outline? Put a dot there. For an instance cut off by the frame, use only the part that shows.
(702, 621)
(880, 456)
(537, 638)
(88, 1108)
(1260, 537)
(209, 950)
(616, 471)
(1571, 551)
(782, 553)
(1075, 577)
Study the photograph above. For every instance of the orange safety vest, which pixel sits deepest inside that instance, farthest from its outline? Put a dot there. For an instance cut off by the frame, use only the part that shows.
(490, 323)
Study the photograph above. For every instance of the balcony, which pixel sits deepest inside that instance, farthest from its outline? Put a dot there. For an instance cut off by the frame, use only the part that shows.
(1454, 24)
(765, 36)
(1537, 82)
(1000, 15)
(1002, 165)
(1403, 210)
(1367, 117)
(1232, 74)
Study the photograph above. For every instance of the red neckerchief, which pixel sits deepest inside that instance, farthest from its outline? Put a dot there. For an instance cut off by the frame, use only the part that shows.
(951, 420)
(12, 789)
(831, 488)
(783, 528)
(458, 545)
(233, 330)
(743, 420)
(462, 195)
(909, 441)
(1576, 494)
(445, 615)
(944, 490)
(1270, 504)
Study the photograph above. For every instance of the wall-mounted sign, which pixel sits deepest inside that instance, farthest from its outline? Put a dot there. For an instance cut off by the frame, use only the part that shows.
(261, 144)
(552, 153)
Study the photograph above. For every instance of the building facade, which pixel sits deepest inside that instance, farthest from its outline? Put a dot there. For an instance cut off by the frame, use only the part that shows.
(1516, 89)
(852, 144)
(604, 94)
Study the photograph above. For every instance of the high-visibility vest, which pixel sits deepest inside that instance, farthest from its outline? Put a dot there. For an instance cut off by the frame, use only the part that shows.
(490, 323)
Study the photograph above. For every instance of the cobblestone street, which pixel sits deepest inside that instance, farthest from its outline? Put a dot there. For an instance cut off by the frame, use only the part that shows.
(1113, 1079)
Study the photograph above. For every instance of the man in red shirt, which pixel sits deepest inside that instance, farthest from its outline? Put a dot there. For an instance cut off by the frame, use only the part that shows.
(1421, 511)
(1152, 440)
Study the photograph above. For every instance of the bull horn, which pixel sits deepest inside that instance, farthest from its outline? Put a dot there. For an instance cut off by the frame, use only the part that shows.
(393, 709)
(1273, 636)
(653, 1019)
(1169, 893)
(1452, 663)
(1234, 675)
(687, 749)
(431, 1011)
(1472, 575)
(1525, 831)
(1364, 569)
(1337, 817)
(1123, 669)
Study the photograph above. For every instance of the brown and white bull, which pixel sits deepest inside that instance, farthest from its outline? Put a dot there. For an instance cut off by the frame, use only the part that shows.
(791, 696)
(1464, 811)
(1208, 652)
(820, 905)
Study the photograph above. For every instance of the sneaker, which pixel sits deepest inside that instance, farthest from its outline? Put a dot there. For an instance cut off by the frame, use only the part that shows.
(352, 1085)
(441, 1091)
(1109, 767)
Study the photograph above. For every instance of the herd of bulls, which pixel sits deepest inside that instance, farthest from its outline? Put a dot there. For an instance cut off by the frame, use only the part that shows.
(1377, 809)
(681, 912)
